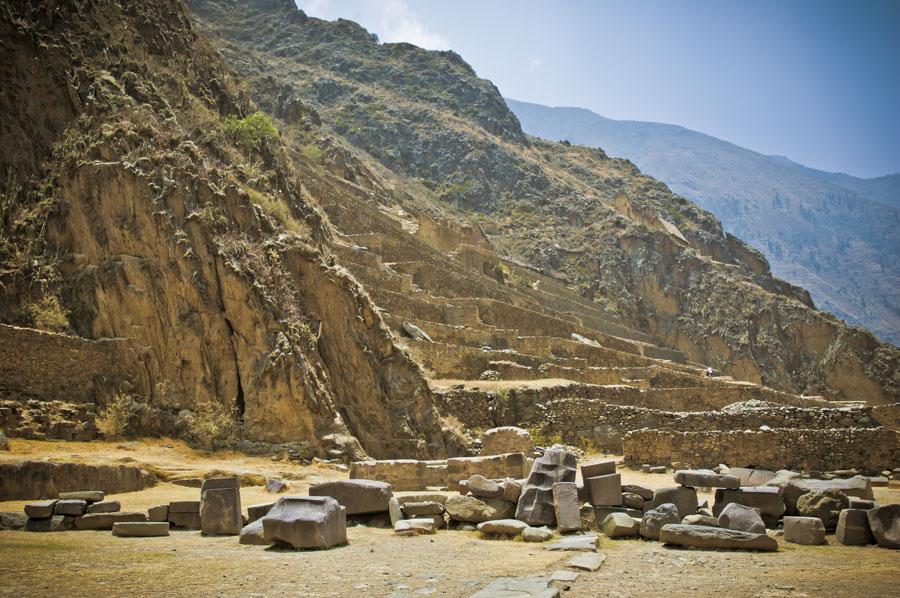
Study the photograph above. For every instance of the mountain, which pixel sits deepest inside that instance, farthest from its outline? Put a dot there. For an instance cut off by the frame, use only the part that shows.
(817, 231)
(444, 143)
(883, 189)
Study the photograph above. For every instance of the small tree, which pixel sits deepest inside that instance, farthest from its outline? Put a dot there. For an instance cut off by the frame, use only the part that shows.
(251, 132)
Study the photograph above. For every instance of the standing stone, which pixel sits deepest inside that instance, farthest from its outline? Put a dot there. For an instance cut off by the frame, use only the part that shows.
(482, 487)
(684, 498)
(741, 518)
(535, 505)
(824, 504)
(706, 478)
(506, 439)
(394, 511)
(360, 497)
(654, 519)
(885, 524)
(109, 506)
(220, 507)
(808, 531)
(620, 525)
(85, 495)
(41, 509)
(853, 528)
(70, 506)
(700, 536)
(306, 522)
(592, 470)
(565, 504)
(605, 490)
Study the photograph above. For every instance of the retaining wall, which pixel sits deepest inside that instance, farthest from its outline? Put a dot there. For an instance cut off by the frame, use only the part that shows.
(41, 479)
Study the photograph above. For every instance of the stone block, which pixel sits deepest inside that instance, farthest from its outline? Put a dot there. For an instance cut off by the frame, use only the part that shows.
(258, 511)
(105, 521)
(885, 525)
(620, 525)
(585, 543)
(536, 534)
(415, 527)
(142, 529)
(421, 509)
(535, 506)
(56, 523)
(470, 509)
(743, 519)
(824, 504)
(767, 499)
(358, 496)
(306, 522)
(183, 520)
(853, 528)
(684, 498)
(605, 490)
(808, 531)
(40, 509)
(700, 536)
(184, 506)
(705, 478)
(502, 527)
(592, 470)
(220, 511)
(653, 520)
(108, 506)
(506, 439)
(158, 513)
(85, 495)
(565, 503)
(72, 507)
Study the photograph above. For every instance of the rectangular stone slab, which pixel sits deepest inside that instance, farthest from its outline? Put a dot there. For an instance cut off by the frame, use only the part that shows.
(107, 506)
(158, 513)
(41, 509)
(565, 501)
(701, 536)
(72, 507)
(184, 506)
(605, 490)
(592, 470)
(86, 495)
(704, 478)
(144, 529)
(105, 521)
(359, 496)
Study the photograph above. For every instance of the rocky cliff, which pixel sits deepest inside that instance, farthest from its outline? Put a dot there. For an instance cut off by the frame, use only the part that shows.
(144, 198)
(442, 139)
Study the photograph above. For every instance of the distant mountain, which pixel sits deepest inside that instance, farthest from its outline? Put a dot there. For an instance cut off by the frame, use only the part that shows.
(883, 189)
(833, 234)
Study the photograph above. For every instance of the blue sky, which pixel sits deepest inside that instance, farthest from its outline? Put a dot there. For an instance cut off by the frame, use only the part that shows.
(817, 81)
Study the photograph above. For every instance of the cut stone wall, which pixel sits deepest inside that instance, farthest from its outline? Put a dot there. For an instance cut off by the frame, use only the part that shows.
(870, 450)
(41, 479)
(50, 366)
(410, 474)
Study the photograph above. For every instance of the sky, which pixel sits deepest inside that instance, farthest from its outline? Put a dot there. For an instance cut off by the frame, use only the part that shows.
(817, 81)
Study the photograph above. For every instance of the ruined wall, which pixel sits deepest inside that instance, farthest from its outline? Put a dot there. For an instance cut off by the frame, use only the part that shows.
(871, 450)
(40, 419)
(888, 415)
(41, 479)
(53, 366)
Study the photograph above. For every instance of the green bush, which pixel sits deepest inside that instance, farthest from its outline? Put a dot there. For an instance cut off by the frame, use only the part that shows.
(251, 131)
(48, 314)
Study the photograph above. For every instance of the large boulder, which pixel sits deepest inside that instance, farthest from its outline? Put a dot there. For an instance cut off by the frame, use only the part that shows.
(857, 486)
(358, 496)
(701, 536)
(885, 525)
(535, 506)
(506, 439)
(220, 506)
(853, 528)
(470, 509)
(620, 525)
(824, 504)
(809, 531)
(306, 522)
(706, 478)
(684, 498)
(482, 487)
(654, 519)
(740, 518)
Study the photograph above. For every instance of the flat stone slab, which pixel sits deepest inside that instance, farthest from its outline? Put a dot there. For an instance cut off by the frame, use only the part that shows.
(563, 575)
(415, 527)
(587, 561)
(40, 509)
(107, 506)
(701, 536)
(106, 521)
(420, 509)
(592, 470)
(358, 496)
(518, 587)
(502, 527)
(86, 495)
(586, 543)
(70, 506)
(706, 478)
(141, 529)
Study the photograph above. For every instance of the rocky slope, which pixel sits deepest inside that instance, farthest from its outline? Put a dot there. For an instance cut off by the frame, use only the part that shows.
(142, 199)
(819, 230)
(442, 140)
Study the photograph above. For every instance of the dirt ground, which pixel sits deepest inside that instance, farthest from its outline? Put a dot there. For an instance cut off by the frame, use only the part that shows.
(376, 562)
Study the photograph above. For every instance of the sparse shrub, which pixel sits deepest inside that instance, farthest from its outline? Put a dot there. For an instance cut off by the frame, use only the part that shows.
(252, 131)
(280, 211)
(312, 151)
(539, 437)
(49, 314)
(212, 425)
(117, 419)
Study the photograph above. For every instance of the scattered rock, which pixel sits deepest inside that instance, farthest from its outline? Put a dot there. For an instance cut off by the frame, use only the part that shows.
(358, 496)
(518, 587)
(885, 525)
(475, 510)
(415, 332)
(502, 527)
(395, 511)
(698, 519)
(563, 575)
(512, 490)
(415, 527)
(306, 522)
(536, 534)
(743, 519)
(252, 534)
(645, 493)
(620, 525)
(705, 478)
(632, 501)
(824, 504)
(857, 486)
(585, 543)
(482, 487)
(12, 521)
(586, 562)
(701, 536)
(809, 531)
(276, 486)
(853, 528)
(654, 519)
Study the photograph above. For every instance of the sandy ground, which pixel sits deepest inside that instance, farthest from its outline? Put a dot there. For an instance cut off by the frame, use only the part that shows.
(376, 562)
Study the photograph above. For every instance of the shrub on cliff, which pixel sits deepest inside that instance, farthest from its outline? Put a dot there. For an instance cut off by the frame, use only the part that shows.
(251, 132)
(117, 420)
(49, 314)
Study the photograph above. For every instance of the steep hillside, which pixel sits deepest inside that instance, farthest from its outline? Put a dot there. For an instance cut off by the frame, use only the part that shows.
(145, 200)
(816, 231)
(442, 142)
(883, 189)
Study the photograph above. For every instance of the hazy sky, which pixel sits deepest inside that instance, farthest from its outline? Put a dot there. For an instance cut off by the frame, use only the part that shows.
(815, 80)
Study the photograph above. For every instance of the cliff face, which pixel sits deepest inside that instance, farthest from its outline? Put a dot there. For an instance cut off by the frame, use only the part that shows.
(446, 141)
(132, 200)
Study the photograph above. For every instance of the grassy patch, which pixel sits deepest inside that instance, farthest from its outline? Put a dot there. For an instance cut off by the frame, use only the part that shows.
(278, 210)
